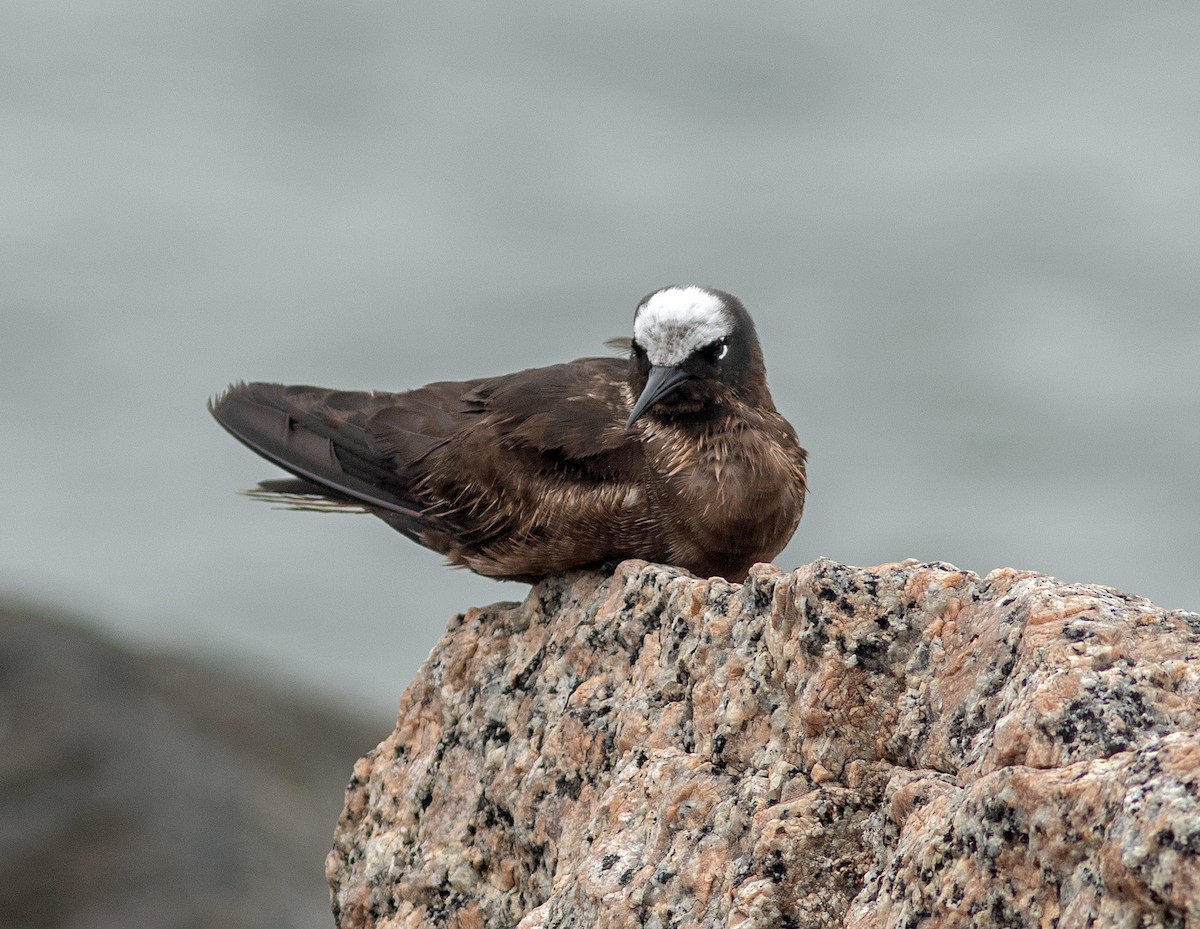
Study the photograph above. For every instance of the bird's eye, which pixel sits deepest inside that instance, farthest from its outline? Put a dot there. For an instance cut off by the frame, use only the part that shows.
(715, 352)
(638, 351)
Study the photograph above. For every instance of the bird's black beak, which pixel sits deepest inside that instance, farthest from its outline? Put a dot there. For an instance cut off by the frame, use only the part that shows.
(661, 383)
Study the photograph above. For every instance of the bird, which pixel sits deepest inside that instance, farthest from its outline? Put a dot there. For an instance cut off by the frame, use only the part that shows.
(674, 453)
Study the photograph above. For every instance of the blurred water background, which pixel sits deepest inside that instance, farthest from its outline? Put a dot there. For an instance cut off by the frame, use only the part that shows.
(968, 234)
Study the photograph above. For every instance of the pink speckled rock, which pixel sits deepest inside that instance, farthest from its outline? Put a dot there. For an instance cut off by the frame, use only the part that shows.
(901, 746)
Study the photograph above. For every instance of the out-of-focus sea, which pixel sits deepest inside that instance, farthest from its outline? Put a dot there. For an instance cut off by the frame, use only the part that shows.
(970, 238)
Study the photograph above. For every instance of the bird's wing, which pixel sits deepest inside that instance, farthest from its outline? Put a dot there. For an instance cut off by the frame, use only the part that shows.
(573, 411)
(409, 457)
(317, 434)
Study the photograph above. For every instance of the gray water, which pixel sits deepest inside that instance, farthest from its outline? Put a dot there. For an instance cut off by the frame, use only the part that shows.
(969, 236)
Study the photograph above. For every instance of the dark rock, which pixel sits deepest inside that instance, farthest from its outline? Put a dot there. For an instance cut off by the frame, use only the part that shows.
(146, 791)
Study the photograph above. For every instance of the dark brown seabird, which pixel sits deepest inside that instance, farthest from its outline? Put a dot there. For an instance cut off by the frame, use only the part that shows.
(676, 455)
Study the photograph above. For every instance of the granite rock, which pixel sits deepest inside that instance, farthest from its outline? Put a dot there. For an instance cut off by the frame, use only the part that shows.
(901, 746)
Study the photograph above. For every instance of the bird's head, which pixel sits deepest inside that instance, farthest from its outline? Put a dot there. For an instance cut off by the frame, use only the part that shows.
(694, 349)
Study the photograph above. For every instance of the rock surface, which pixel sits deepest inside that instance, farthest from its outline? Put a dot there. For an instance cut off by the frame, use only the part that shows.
(140, 790)
(902, 746)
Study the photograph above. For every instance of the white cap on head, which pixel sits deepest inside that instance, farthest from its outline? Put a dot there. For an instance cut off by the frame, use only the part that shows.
(676, 321)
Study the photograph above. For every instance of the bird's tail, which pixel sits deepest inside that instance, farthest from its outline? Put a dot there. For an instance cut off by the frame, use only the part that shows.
(318, 435)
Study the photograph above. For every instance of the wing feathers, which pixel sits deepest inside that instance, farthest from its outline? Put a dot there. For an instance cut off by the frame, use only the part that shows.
(419, 421)
(462, 467)
(267, 419)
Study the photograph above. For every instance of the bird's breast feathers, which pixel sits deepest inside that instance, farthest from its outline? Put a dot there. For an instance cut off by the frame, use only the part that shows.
(733, 477)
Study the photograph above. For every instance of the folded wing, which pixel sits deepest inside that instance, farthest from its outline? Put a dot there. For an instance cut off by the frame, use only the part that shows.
(449, 464)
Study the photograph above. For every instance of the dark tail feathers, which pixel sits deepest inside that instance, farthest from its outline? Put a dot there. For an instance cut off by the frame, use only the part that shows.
(293, 428)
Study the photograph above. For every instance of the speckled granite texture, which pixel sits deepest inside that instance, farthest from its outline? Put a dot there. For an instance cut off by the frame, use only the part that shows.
(901, 746)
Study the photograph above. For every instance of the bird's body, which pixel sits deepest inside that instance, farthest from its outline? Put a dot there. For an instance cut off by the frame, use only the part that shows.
(572, 465)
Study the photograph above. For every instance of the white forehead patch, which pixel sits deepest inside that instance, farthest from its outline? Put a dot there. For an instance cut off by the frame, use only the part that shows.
(674, 322)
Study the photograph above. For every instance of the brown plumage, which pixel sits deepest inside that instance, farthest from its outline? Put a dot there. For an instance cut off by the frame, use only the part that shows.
(675, 455)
